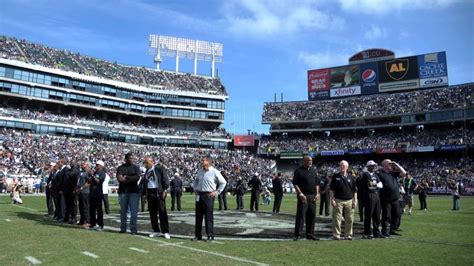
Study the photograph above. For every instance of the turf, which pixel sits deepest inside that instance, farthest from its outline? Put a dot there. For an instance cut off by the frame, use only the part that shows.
(434, 237)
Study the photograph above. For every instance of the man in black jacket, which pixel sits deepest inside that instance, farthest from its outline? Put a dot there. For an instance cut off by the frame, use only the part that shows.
(324, 190)
(369, 195)
(127, 176)
(82, 190)
(278, 191)
(156, 183)
(95, 193)
(176, 190)
(69, 186)
(256, 185)
(57, 189)
(390, 194)
(306, 183)
(239, 192)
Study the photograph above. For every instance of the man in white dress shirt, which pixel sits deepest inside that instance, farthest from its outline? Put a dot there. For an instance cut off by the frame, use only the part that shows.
(208, 184)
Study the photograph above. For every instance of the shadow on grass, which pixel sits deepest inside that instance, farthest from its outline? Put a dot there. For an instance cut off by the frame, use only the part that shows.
(40, 218)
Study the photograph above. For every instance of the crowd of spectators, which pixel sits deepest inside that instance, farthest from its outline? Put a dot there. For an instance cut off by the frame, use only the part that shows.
(427, 137)
(372, 105)
(111, 125)
(24, 154)
(38, 54)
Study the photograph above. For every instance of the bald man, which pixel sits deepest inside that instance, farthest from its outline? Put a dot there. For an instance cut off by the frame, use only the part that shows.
(306, 183)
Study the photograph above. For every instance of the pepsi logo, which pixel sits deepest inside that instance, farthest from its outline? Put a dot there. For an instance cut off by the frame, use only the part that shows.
(369, 75)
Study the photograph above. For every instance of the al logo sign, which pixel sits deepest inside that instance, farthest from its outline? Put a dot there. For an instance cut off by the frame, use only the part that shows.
(397, 68)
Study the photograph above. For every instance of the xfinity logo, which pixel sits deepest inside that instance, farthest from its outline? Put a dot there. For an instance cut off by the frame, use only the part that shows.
(348, 91)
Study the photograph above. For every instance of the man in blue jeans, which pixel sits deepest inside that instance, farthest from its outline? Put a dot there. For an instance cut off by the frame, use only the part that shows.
(128, 175)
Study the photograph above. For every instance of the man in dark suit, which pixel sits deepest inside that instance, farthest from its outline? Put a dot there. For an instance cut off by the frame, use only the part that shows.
(60, 205)
(278, 191)
(176, 190)
(156, 183)
(256, 185)
(68, 187)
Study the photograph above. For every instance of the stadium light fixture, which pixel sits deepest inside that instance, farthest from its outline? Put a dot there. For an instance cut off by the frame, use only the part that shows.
(181, 48)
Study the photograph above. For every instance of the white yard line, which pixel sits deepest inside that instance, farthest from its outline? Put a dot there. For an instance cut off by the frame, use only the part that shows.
(32, 260)
(92, 255)
(138, 250)
(204, 251)
(171, 244)
(8, 220)
(23, 207)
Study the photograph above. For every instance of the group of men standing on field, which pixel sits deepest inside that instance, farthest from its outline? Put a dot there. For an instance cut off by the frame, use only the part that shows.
(379, 193)
(72, 184)
(378, 190)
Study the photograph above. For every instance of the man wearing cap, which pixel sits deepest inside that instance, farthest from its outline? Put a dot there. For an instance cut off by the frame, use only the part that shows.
(409, 185)
(208, 184)
(343, 191)
(128, 175)
(176, 190)
(256, 187)
(95, 194)
(306, 183)
(369, 191)
(389, 195)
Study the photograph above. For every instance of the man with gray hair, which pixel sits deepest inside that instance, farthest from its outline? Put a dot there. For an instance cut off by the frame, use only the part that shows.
(389, 195)
(208, 184)
(82, 190)
(343, 191)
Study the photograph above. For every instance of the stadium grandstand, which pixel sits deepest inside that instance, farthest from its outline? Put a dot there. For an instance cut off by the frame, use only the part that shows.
(54, 91)
(416, 119)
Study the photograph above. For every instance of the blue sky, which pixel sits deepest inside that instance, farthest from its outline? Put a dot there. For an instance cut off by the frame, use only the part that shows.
(268, 44)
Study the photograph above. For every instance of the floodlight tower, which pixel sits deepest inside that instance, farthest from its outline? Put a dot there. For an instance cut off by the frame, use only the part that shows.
(167, 46)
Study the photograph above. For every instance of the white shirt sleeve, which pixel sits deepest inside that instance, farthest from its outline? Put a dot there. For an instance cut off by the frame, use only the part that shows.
(222, 182)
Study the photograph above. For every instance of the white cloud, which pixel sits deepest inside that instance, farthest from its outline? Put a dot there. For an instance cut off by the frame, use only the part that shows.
(375, 33)
(386, 6)
(323, 59)
(269, 18)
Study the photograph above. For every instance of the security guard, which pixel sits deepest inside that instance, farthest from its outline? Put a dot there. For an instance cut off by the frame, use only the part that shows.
(306, 183)
(369, 192)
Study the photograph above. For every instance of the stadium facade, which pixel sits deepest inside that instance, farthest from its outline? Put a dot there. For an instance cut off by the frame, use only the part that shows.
(40, 78)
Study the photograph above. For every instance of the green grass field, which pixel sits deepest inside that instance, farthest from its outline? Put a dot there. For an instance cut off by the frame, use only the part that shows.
(435, 237)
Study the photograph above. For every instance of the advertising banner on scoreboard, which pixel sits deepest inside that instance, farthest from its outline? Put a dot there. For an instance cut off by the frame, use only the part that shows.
(433, 70)
(243, 140)
(398, 74)
(369, 78)
(345, 81)
(318, 84)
